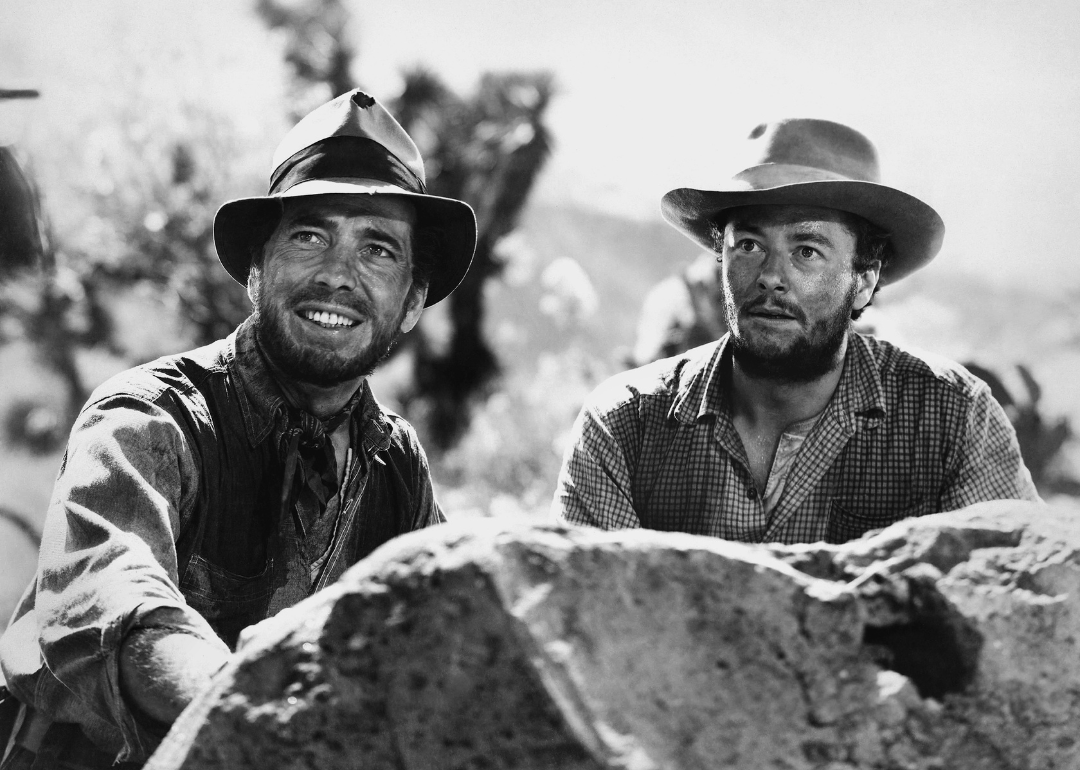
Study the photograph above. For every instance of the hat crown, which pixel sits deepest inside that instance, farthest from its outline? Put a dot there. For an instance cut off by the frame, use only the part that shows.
(355, 114)
(819, 144)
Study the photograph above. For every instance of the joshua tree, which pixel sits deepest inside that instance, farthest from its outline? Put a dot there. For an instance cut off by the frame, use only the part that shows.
(486, 149)
(317, 49)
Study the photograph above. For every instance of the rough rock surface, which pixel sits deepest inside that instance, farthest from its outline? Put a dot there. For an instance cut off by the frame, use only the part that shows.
(948, 641)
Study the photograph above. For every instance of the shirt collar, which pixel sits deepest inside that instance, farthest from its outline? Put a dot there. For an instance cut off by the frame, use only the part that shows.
(859, 393)
(263, 405)
(375, 428)
(261, 400)
(701, 382)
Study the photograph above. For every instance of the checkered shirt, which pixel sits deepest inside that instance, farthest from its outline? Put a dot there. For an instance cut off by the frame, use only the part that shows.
(904, 435)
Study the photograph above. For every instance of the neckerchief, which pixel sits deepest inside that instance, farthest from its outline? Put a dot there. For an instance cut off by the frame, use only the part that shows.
(311, 476)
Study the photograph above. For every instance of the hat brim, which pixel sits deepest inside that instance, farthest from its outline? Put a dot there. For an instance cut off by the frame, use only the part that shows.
(239, 221)
(916, 231)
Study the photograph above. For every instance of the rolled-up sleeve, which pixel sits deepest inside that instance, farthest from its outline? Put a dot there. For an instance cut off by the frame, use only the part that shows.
(108, 560)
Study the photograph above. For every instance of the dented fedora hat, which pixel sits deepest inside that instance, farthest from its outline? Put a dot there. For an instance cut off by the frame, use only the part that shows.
(807, 162)
(349, 145)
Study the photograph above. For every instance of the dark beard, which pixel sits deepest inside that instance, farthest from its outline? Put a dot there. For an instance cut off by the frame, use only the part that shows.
(809, 358)
(320, 367)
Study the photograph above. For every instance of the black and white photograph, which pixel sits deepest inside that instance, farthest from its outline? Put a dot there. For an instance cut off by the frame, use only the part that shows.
(518, 385)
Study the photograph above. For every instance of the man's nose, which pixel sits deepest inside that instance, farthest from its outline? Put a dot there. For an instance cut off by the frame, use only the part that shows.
(772, 276)
(336, 270)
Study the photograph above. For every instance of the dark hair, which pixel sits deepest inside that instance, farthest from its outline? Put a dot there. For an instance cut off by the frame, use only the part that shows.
(872, 244)
(427, 245)
(261, 232)
(260, 235)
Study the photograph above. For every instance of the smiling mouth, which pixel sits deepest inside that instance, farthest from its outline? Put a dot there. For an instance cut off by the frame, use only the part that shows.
(328, 320)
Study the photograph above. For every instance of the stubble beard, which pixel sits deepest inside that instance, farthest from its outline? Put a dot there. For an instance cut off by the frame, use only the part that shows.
(811, 356)
(314, 366)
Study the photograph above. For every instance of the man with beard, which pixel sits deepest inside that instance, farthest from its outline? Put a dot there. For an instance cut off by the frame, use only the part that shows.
(207, 491)
(791, 427)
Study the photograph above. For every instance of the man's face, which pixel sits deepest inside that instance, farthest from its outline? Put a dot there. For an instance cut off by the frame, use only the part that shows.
(789, 288)
(333, 291)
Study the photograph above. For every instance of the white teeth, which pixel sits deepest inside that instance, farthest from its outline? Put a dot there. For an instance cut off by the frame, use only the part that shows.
(328, 319)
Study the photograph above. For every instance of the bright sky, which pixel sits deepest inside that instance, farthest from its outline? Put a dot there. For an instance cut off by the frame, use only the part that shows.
(974, 106)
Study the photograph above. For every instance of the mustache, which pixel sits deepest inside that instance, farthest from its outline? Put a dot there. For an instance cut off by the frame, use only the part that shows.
(346, 299)
(775, 304)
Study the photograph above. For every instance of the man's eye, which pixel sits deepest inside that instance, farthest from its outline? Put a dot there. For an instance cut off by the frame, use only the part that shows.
(746, 244)
(306, 236)
(379, 252)
(806, 252)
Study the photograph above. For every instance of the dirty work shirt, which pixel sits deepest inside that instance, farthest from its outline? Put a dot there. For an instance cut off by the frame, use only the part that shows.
(183, 457)
(903, 435)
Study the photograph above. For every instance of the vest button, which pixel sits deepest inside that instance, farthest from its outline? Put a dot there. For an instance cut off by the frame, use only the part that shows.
(751, 494)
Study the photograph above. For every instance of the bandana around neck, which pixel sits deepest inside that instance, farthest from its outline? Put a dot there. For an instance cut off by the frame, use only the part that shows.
(310, 478)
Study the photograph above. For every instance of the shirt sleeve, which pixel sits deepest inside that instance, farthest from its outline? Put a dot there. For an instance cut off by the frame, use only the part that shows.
(594, 484)
(108, 558)
(426, 509)
(989, 465)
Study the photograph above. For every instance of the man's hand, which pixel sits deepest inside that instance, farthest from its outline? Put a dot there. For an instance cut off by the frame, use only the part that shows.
(162, 670)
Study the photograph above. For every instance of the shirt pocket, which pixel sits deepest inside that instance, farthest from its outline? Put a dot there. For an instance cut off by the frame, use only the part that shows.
(846, 522)
(228, 601)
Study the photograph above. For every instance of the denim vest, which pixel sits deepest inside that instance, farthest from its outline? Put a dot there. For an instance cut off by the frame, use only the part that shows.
(240, 558)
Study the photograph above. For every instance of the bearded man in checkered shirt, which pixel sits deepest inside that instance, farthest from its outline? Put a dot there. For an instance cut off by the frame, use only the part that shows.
(791, 427)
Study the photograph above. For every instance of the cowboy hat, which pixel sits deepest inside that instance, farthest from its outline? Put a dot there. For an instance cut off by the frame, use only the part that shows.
(805, 162)
(349, 145)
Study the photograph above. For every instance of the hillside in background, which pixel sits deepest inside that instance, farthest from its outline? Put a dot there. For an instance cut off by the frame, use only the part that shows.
(620, 260)
(967, 317)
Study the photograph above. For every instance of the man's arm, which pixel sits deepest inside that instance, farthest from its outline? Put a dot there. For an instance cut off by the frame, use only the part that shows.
(989, 465)
(163, 669)
(108, 573)
(594, 483)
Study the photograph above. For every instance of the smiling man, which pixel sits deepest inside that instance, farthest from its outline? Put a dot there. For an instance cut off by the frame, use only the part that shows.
(207, 491)
(791, 427)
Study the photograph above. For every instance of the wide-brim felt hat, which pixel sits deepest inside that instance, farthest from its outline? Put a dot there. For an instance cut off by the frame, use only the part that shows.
(349, 145)
(807, 162)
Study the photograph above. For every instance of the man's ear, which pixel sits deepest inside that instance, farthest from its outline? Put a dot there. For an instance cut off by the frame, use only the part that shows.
(865, 283)
(253, 284)
(414, 306)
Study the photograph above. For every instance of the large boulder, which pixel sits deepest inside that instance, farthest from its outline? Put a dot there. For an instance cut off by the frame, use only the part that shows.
(948, 641)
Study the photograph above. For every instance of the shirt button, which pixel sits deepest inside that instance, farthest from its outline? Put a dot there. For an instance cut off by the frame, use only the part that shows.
(751, 494)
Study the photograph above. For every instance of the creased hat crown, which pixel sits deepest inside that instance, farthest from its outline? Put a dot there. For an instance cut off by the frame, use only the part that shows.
(354, 114)
(350, 146)
(819, 144)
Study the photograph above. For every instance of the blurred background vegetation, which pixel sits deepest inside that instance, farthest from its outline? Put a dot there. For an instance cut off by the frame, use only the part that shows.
(112, 264)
